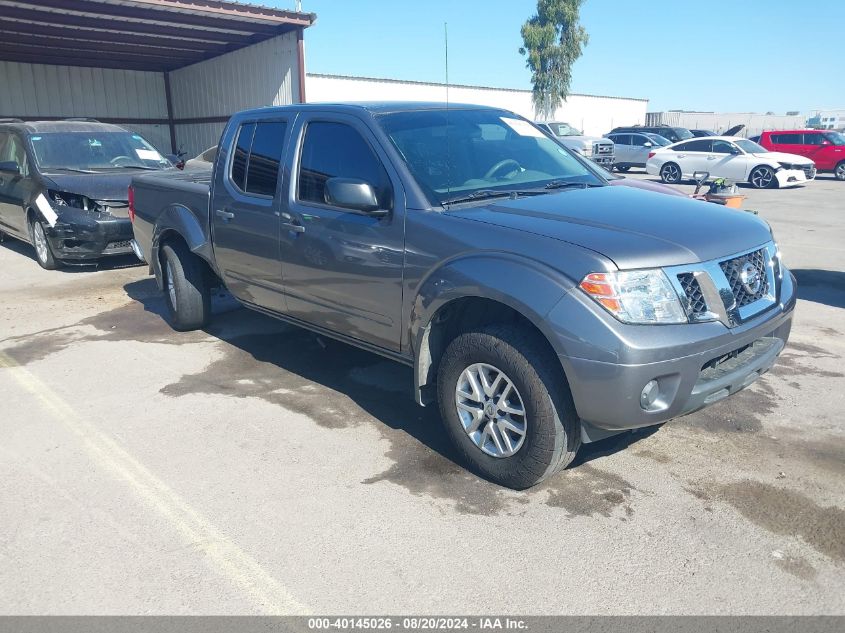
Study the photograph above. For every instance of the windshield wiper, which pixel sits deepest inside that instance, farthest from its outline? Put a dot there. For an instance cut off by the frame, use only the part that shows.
(565, 184)
(486, 194)
(73, 169)
(146, 167)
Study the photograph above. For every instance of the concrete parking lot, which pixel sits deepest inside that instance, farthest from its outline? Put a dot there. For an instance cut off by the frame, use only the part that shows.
(254, 468)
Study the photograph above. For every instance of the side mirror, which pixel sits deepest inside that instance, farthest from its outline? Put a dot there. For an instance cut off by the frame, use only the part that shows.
(353, 193)
(10, 167)
(826, 142)
(648, 144)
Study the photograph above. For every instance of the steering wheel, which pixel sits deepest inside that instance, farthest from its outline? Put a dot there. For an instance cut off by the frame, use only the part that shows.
(117, 159)
(508, 162)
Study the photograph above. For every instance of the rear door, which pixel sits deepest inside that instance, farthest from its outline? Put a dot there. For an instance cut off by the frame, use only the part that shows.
(692, 156)
(622, 148)
(245, 212)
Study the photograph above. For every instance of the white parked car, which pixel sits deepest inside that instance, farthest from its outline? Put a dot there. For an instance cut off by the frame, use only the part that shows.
(736, 159)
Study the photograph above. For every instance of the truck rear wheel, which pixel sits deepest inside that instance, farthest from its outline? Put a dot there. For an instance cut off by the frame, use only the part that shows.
(506, 406)
(186, 289)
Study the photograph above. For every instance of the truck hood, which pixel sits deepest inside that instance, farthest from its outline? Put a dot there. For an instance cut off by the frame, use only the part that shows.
(101, 186)
(631, 227)
(783, 157)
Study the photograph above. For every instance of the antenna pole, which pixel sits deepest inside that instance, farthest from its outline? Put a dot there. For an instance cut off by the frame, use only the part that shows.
(446, 43)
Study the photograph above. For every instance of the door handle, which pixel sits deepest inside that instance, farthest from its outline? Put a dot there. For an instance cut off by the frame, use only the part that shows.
(711, 158)
(292, 224)
(226, 215)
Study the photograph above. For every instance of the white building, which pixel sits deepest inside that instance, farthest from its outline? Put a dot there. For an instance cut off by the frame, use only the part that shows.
(827, 120)
(594, 114)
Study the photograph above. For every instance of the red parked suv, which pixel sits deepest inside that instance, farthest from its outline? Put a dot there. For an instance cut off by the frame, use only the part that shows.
(825, 148)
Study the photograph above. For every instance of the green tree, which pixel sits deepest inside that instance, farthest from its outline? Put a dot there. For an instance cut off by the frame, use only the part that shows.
(553, 40)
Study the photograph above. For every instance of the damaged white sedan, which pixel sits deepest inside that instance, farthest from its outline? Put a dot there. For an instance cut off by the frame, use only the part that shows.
(736, 159)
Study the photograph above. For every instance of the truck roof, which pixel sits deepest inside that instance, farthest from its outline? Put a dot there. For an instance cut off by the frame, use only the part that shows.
(376, 107)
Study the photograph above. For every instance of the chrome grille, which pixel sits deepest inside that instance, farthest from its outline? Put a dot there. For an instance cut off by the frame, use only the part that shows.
(692, 289)
(733, 269)
(602, 148)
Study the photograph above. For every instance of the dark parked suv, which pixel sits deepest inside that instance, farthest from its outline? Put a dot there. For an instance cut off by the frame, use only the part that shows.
(673, 133)
(63, 187)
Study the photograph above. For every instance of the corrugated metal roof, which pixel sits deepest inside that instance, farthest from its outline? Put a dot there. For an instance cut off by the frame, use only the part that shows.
(154, 35)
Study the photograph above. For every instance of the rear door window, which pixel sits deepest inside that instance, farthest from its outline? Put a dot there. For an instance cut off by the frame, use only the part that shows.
(787, 139)
(262, 173)
(699, 145)
(239, 160)
(257, 157)
(813, 138)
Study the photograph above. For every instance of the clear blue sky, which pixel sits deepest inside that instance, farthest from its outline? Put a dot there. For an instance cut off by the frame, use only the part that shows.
(722, 55)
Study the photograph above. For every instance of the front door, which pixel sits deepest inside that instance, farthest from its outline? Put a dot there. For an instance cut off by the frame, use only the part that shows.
(245, 213)
(727, 161)
(15, 189)
(342, 268)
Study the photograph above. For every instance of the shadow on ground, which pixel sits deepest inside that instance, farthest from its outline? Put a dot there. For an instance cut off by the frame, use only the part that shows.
(342, 387)
(821, 286)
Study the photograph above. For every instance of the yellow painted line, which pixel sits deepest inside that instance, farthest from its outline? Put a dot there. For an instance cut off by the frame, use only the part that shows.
(238, 567)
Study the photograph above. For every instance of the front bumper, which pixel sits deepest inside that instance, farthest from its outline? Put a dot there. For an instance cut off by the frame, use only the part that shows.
(605, 160)
(792, 177)
(82, 235)
(721, 361)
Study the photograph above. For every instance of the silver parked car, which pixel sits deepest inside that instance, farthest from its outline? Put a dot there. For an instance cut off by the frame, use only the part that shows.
(632, 149)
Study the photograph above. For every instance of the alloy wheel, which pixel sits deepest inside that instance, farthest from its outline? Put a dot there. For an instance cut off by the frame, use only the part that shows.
(171, 285)
(671, 173)
(762, 177)
(840, 171)
(40, 242)
(491, 410)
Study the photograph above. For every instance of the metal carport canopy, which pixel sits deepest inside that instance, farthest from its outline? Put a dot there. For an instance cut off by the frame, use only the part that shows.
(150, 35)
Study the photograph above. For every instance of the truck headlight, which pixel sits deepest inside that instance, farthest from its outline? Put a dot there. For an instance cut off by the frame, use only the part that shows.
(638, 296)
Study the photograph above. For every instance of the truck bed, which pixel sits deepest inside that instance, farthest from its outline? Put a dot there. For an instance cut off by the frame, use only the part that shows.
(156, 193)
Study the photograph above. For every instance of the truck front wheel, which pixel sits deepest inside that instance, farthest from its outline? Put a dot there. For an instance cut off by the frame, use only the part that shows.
(506, 406)
(186, 289)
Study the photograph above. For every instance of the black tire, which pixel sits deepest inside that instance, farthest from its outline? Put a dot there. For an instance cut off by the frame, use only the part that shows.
(552, 433)
(189, 300)
(839, 171)
(43, 252)
(671, 173)
(763, 177)
(623, 168)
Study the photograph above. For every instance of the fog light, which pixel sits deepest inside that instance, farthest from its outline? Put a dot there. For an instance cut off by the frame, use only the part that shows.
(649, 394)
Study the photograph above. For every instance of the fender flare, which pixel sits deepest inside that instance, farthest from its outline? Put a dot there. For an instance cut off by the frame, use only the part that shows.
(526, 286)
(180, 220)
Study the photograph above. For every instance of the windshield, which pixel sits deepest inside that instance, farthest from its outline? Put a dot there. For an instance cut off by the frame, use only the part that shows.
(461, 152)
(93, 151)
(563, 129)
(836, 138)
(659, 140)
(749, 146)
(683, 133)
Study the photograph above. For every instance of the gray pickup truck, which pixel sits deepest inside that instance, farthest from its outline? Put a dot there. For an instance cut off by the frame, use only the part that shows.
(538, 306)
